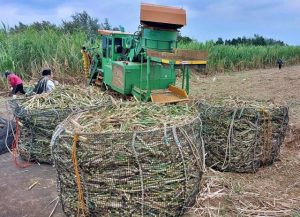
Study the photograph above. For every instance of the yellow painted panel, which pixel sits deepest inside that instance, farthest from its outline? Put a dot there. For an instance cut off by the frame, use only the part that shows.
(185, 62)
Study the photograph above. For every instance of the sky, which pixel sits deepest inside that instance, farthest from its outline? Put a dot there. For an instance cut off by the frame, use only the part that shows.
(206, 19)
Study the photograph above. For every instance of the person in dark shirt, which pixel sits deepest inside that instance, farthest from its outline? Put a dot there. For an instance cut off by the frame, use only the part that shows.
(279, 63)
(45, 84)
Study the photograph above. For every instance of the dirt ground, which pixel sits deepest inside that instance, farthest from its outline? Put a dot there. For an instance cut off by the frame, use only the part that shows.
(28, 192)
(271, 85)
(272, 191)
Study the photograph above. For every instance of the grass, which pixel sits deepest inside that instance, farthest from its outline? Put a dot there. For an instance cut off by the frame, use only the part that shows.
(27, 52)
(224, 58)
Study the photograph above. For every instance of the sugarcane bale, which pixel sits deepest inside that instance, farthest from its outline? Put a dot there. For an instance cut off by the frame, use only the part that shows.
(129, 160)
(39, 115)
(241, 137)
(36, 128)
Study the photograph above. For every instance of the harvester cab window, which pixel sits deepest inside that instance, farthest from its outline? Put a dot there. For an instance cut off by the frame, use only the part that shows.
(104, 46)
(109, 51)
(118, 45)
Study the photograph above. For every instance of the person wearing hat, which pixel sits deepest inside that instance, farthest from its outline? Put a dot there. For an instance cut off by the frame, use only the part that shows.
(45, 84)
(15, 83)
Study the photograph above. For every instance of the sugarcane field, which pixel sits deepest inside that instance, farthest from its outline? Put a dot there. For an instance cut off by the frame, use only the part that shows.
(159, 117)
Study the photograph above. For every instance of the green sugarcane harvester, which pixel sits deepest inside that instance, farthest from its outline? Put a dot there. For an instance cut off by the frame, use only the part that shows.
(144, 64)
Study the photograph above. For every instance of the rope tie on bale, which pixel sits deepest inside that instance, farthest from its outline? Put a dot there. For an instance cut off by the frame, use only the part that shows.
(266, 136)
(59, 129)
(31, 140)
(229, 140)
(182, 158)
(166, 139)
(82, 205)
(202, 144)
(140, 171)
(15, 147)
(254, 158)
(145, 144)
(201, 165)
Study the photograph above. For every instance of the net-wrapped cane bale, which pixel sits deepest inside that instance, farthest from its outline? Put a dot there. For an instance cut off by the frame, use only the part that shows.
(38, 116)
(129, 160)
(242, 137)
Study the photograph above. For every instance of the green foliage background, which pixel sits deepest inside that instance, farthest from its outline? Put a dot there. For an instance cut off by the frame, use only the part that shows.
(27, 52)
(26, 49)
(244, 57)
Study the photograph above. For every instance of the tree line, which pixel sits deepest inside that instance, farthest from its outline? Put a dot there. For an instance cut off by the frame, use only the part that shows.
(78, 22)
(257, 40)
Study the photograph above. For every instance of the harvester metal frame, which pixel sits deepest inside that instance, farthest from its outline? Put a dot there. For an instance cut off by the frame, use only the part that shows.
(144, 64)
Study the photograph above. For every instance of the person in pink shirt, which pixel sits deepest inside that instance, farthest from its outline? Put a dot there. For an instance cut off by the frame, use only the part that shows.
(15, 83)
